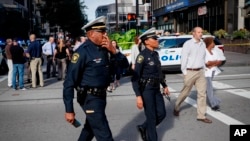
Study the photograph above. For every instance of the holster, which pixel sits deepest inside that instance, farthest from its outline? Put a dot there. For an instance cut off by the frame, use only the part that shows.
(81, 95)
(142, 84)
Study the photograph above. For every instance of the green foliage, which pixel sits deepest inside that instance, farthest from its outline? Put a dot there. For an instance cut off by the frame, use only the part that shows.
(241, 34)
(126, 40)
(68, 14)
(220, 33)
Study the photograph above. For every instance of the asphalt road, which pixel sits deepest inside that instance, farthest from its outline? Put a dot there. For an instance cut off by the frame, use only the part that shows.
(38, 114)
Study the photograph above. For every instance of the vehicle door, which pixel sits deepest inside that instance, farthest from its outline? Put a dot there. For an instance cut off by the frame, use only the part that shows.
(170, 50)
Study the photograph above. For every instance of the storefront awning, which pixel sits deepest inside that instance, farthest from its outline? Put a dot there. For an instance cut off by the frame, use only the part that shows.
(181, 4)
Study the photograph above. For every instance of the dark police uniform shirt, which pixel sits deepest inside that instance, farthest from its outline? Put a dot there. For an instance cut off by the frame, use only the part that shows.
(34, 49)
(89, 67)
(147, 65)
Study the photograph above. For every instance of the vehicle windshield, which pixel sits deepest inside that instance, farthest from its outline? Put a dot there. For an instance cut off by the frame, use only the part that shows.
(172, 43)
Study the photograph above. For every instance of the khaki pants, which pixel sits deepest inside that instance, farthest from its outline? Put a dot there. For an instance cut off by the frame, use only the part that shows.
(198, 79)
(36, 65)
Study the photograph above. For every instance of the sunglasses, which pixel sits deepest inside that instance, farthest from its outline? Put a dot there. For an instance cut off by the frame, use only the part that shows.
(155, 38)
(100, 31)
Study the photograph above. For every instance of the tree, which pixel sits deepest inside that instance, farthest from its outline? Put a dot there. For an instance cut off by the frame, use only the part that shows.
(68, 14)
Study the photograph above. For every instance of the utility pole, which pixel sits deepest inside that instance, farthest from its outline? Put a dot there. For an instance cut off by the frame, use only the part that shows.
(137, 17)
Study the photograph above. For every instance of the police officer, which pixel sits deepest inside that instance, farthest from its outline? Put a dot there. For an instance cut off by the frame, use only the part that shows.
(146, 82)
(89, 73)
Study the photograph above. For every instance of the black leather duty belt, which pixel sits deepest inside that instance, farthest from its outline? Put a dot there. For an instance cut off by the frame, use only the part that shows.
(194, 69)
(152, 81)
(96, 91)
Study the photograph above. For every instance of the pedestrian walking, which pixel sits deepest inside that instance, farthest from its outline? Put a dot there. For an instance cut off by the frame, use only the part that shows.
(9, 44)
(60, 56)
(115, 67)
(212, 63)
(192, 66)
(48, 51)
(18, 59)
(89, 73)
(135, 50)
(34, 52)
(146, 82)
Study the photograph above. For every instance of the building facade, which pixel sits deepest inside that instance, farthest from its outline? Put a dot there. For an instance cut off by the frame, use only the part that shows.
(212, 15)
(18, 18)
(124, 7)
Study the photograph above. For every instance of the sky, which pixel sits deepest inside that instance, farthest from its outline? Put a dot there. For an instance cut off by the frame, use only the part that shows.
(92, 5)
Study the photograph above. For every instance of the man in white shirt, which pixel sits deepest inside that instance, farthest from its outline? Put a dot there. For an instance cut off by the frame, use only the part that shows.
(48, 51)
(192, 66)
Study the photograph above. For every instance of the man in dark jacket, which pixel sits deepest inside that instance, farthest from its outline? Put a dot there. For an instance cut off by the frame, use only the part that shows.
(18, 59)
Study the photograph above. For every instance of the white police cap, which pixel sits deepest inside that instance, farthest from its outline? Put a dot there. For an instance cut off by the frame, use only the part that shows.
(150, 33)
(98, 24)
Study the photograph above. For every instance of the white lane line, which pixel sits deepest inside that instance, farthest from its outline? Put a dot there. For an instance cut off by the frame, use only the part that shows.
(233, 75)
(3, 78)
(240, 92)
(217, 115)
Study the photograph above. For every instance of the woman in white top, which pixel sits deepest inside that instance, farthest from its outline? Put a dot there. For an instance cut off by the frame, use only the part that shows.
(212, 61)
(135, 51)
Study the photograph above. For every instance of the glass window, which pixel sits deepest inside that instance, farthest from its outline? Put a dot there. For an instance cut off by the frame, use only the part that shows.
(172, 43)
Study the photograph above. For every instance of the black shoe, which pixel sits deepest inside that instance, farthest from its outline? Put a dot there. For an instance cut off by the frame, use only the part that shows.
(142, 131)
(216, 108)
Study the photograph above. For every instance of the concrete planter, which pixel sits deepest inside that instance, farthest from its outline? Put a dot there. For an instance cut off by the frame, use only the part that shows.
(236, 45)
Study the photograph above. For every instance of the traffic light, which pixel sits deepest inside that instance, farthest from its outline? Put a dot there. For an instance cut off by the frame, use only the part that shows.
(131, 17)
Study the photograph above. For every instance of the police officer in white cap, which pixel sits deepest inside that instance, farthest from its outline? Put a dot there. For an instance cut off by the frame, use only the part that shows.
(146, 82)
(88, 72)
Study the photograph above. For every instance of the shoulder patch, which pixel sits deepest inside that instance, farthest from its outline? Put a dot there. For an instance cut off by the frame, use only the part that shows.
(140, 58)
(75, 57)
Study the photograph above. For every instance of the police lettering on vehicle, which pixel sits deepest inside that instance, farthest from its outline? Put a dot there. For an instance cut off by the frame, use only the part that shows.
(170, 57)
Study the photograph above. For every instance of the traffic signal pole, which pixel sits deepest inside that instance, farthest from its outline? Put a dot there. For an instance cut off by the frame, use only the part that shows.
(137, 17)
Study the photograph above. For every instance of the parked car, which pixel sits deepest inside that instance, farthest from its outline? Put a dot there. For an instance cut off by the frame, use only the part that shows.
(3, 64)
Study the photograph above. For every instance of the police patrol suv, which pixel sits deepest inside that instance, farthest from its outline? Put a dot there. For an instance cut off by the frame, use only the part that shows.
(170, 48)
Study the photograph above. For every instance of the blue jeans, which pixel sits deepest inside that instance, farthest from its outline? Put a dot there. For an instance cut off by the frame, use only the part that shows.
(18, 68)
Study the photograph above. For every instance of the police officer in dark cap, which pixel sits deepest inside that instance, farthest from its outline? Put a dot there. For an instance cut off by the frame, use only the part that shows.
(146, 82)
(88, 73)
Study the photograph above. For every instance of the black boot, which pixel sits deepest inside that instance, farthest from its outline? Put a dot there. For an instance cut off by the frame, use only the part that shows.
(142, 131)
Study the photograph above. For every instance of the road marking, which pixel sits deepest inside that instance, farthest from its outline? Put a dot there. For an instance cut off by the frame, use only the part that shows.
(240, 92)
(3, 78)
(233, 75)
(218, 115)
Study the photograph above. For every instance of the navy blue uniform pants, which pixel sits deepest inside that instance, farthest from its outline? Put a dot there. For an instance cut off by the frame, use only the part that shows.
(96, 124)
(154, 109)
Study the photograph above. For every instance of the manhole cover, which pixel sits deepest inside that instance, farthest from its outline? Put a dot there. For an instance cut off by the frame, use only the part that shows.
(15, 94)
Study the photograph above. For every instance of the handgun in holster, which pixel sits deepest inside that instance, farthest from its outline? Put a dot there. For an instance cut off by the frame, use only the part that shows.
(81, 95)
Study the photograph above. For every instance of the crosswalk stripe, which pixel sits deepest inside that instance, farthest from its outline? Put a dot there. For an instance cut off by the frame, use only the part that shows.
(240, 92)
(216, 114)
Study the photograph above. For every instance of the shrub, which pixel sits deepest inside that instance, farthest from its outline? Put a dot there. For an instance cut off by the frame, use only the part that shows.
(241, 34)
(220, 33)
